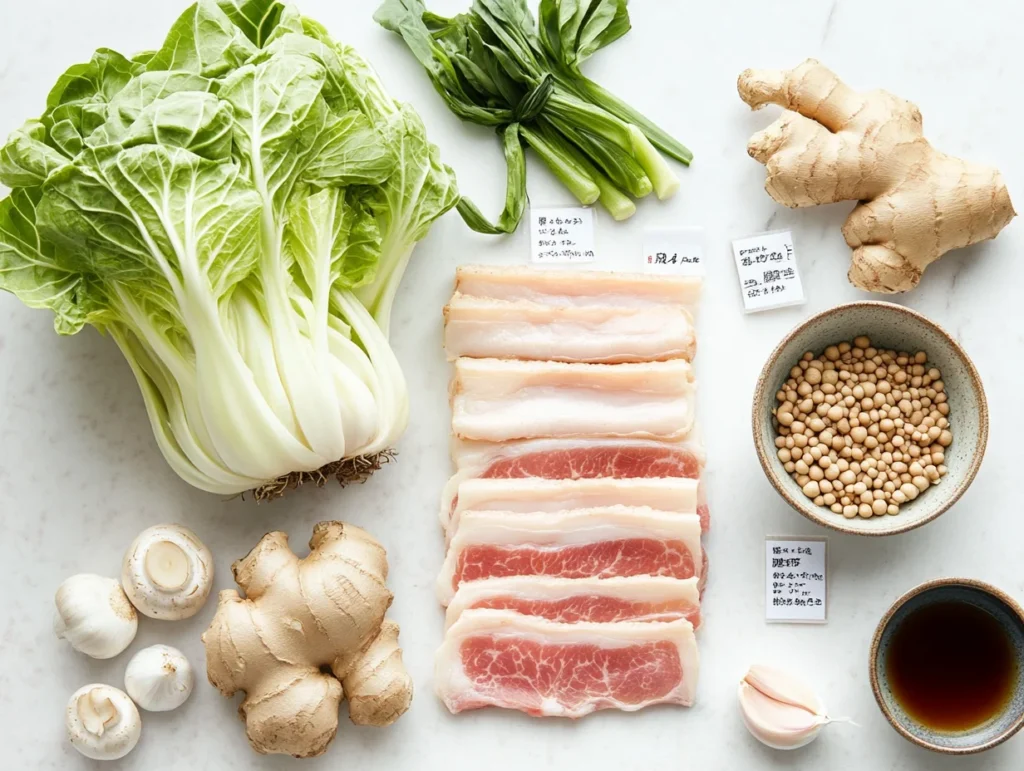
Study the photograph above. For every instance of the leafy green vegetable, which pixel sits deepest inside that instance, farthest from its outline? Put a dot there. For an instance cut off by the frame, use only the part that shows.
(497, 66)
(236, 209)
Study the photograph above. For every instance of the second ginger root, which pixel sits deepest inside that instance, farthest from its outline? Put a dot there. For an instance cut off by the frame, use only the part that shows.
(835, 144)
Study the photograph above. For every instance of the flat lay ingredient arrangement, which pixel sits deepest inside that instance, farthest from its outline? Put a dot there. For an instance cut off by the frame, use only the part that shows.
(236, 210)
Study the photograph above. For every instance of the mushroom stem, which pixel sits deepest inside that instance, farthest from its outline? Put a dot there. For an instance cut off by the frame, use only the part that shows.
(167, 572)
(96, 711)
(102, 722)
(167, 565)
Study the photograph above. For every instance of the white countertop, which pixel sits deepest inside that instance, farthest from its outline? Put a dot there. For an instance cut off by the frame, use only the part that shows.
(80, 474)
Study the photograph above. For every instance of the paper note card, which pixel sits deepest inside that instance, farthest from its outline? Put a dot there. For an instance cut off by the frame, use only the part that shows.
(561, 235)
(767, 269)
(676, 252)
(796, 589)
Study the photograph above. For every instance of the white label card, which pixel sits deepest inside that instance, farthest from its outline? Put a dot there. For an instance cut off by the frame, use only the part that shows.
(766, 264)
(796, 588)
(675, 252)
(559, 235)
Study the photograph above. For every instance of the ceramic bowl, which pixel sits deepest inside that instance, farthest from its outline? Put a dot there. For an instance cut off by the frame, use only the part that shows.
(1010, 616)
(894, 327)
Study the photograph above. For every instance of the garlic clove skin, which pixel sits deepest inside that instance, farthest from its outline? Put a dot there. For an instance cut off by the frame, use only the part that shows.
(783, 687)
(779, 710)
(94, 615)
(167, 572)
(102, 722)
(159, 678)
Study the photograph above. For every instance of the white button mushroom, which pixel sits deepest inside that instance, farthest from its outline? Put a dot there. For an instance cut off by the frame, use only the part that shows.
(94, 615)
(167, 572)
(159, 678)
(102, 722)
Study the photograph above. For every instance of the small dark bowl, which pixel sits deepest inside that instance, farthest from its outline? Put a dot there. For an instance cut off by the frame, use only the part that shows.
(986, 597)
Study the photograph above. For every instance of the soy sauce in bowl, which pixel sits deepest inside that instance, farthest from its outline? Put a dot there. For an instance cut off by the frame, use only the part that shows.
(951, 665)
(947, 665)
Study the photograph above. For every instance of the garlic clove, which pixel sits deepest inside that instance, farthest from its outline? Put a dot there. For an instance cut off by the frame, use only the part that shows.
(159, 678)
(783, 687)
(94, 615)
(102, 722)
(167, 572)
(779, 710)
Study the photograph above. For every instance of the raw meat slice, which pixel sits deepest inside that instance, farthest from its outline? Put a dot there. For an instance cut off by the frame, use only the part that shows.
(580, 458)
(584, 543)
(563, 288)
(575, 459)
(601, 334)
(674, 495)
(574, 600)
(497, 658)
(496, 400)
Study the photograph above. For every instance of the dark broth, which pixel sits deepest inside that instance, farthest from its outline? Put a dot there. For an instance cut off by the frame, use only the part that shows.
(951, 666)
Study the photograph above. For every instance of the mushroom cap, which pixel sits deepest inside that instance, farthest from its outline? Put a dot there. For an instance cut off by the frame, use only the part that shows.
(167, 572)
(102, 722)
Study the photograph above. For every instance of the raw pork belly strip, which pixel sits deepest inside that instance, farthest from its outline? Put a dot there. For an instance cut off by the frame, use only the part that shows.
(562, 288)
(585, 543)
(535, 495)
(580, 458)
(575, 600)
(601, 334)
(497, 400)
(497, 658)
(575, 459)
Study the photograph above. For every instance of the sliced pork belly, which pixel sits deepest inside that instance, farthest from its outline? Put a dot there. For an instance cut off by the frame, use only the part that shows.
(498, 658)
(675, 495)
(564, 288)
(580, 458)
(596, 458)
(575, 600)
(527, 330)
(584, 543)
(497, 400)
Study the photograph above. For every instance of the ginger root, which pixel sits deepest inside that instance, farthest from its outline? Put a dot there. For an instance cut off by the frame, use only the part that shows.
(834, 144)
(309, 633)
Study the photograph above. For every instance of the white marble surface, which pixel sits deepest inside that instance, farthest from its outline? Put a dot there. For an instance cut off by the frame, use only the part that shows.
(80, 474)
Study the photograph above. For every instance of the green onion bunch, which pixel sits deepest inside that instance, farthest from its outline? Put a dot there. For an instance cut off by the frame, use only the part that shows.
(498, 66)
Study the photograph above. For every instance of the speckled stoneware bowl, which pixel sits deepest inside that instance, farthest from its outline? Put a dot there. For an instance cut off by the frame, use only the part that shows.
(888, 326)
(1010, 617)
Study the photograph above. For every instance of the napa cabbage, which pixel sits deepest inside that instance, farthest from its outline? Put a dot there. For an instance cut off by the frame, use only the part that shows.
(235, 210)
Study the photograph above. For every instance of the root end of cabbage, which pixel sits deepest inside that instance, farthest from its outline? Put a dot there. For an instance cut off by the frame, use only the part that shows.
(348, 471)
